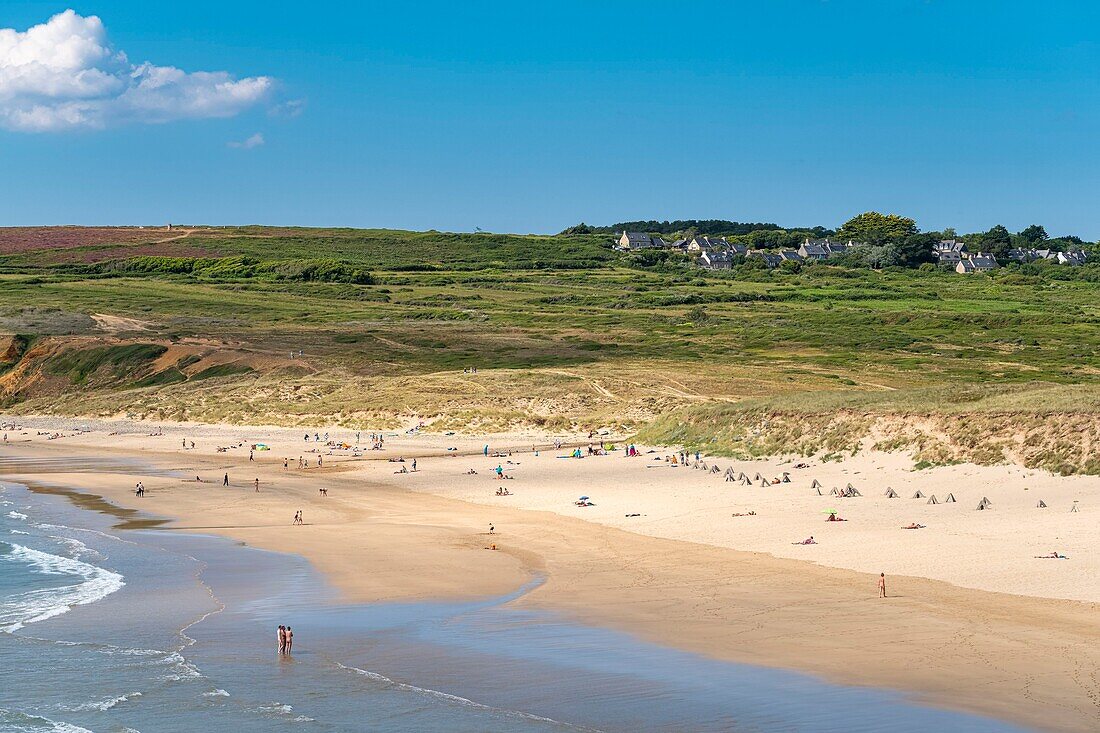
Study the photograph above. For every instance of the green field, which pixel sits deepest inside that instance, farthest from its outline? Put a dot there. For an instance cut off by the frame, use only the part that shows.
(564, 333)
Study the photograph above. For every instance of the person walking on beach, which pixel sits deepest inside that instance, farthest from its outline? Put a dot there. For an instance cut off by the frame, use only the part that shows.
(251, 456)
(282, 639)
(414, 464)
(882, 585)
(225, 480)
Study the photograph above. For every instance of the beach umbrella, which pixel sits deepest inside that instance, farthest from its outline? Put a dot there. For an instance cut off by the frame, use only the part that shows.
(583, 498)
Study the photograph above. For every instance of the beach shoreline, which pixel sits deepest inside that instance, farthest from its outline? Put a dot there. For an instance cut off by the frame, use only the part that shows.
(1020, 658)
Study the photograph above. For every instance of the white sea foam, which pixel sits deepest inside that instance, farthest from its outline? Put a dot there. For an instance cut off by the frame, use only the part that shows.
(20, 609)
(17, 515)
(106, 704)
(19, 531)
(181, 668)
(216, 693)
(462, 701)
(14, 718)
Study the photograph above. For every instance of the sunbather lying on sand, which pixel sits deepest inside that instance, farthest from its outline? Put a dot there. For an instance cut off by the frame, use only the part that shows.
(835, 518)
(914, 525)
(809, 541)
(744, 514)
(1052, 556)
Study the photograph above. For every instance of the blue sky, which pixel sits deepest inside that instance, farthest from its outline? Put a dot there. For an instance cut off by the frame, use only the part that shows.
(529, 117)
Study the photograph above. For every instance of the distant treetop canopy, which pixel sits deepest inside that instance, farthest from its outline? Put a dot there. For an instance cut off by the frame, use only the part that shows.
(701, 226)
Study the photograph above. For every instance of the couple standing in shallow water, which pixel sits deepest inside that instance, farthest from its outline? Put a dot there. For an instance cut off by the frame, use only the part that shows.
(286, 639)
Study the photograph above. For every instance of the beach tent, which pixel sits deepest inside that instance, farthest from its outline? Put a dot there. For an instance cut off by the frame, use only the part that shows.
(715, 469)
(745, 481)
(849, 487)
(704, 467)
(891, 494)
(730, 473)
(835, 492)
(950, 499)
(742, 476)
(816, 484)
(919, 494)
(853, 491)
(984, 504)
(1073, 509)
(933, 500)
(786, 477)
(1041, 505)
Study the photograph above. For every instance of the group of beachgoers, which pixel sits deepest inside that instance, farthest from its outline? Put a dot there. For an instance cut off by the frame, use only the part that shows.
(286, 639)
(298, 520)
(139, 490)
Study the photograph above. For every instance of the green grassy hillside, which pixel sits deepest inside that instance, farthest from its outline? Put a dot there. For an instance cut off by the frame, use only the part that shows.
(564, 332)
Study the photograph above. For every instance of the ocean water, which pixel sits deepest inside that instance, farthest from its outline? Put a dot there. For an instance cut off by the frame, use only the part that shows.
(111, 630)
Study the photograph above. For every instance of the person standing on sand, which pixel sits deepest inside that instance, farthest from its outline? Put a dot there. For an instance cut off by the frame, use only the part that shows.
(225, 480)
(282, 639)
(882, 585)
(257, 482)
(286, 464)
(251, 456)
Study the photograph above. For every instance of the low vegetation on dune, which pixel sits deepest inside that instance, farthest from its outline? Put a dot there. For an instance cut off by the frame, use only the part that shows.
(373, 328)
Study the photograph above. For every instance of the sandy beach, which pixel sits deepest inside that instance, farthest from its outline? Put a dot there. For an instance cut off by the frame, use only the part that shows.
(973, 621)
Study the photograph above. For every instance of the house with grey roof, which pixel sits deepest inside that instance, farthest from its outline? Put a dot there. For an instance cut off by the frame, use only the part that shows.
(950, 251)
(980, 262)
(640, 240)
(713, 260)
(771, 260)
(813, 250)
(700, 243)
(1072, 257)
(790, 255)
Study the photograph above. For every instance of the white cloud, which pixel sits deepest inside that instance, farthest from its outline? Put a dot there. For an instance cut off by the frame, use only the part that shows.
(252, 141)
(63, 74)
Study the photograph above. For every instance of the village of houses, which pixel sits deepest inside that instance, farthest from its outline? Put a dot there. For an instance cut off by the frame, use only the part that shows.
(717, 253)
